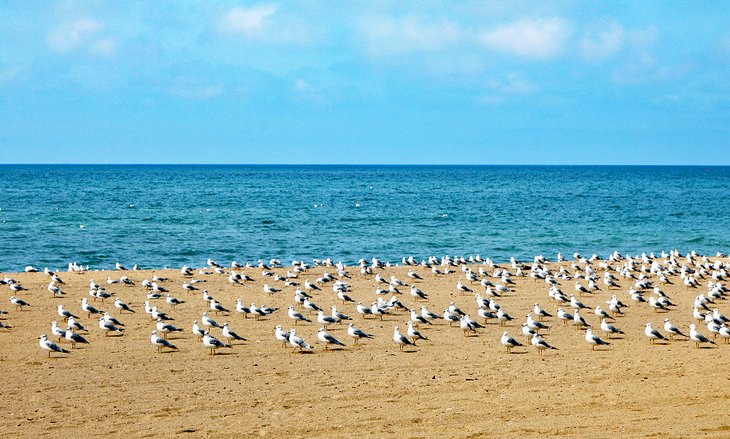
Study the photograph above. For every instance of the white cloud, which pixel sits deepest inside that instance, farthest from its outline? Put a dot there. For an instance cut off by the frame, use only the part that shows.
(388, 36)
(512, 84)
(301, 84)
(603, 44)
(247, 21)
(8, 73)
(530, 38)
(103, 47)
(70, 36)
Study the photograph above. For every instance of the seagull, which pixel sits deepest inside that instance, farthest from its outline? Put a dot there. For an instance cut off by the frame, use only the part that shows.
(528, 332)
(539, 312)
(414, 333)
(311, 306)
(172, 301)
(364, 310)
(64, 313)
(577, 304)
(579, 321)
(455, 310)
(18, 302)
(725, 333)
(121, 306)
(581, 289)
(609, 328)
(540, 343)
(417, 318)
(55, 290)
(534, 324)
(298, 342)
(327, 339)
(450, 317)
(111, 319)
(74, 338)
(197, 330)
(672, 330)
(509, 342)
(281, 335)
(58, 332)
(426, 314)
(595, 340)
(338, 315)
(601, 313)
(344, 297)
(486, 314)
(401, 339)
(503, 317)
(73, 324)
(207, 321)
(213, 343)
(417, 293)
(463, 288)
(50, 346)
(187, 286)
(157, 314)
(697, 337)
(325, 320)
(469, 325)
(107, 326)
(243, 310)
(653, 334)
(227, 333)
(17, 287)
(356, 333)
(160, 342)
(270, 290)
(88, 308)
(309, 285)
(296, 315)
(565, 316)
(657, 305)
(166, 328)
(216, 307)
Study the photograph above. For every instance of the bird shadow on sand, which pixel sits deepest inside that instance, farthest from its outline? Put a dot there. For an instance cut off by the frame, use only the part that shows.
(223, 353)
(518, 352)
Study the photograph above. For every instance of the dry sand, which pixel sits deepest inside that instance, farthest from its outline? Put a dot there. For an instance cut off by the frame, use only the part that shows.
(452, 386)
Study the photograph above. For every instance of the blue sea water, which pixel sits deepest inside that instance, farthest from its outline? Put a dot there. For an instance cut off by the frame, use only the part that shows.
(169, 215)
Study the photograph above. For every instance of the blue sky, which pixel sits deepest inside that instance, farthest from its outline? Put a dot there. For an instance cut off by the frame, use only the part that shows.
(568, 82)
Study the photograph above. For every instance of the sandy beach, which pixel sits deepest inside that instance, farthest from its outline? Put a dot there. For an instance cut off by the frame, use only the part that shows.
(450, 386)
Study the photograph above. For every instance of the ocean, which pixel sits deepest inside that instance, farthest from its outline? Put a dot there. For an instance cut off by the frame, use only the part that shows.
(170, 215)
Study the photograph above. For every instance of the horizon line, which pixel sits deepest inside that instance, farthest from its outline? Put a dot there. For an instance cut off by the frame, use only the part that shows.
(375, 164)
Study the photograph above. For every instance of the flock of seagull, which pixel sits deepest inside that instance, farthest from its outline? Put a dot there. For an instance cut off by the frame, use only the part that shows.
(481, 278)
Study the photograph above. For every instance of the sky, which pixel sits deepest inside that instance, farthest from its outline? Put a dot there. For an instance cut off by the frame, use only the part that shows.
(371, 82)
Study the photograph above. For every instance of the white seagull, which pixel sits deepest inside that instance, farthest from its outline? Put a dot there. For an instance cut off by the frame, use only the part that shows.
(50, 346)
(160, 342)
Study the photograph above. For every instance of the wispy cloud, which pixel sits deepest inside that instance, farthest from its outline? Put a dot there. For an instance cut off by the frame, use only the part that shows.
(388, 35)
(602, 43)
(69, 36)
(249, 21)
(540, 39)
(512, 84)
